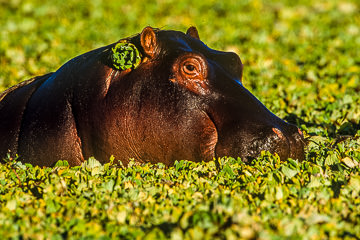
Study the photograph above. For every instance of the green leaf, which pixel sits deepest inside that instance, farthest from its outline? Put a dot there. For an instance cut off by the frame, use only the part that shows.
(288, 172)
(351, 163)
(51, 206)
(109, 185)
(62, 163)
(11, 205)
(318, 218)
(354, 183)
(315, 182)
(331, 159)
(92, 163)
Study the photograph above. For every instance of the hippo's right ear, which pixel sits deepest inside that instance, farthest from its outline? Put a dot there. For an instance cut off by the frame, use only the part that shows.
(149, 41)
(193, 32)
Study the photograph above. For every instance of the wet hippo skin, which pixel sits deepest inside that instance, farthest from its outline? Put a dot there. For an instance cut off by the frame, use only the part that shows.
(158, 96)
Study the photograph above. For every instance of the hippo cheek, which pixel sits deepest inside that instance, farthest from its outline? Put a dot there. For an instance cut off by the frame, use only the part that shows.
(209, 138)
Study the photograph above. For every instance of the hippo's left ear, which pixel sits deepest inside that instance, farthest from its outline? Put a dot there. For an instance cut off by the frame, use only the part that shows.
(149, 41)
(193, 32)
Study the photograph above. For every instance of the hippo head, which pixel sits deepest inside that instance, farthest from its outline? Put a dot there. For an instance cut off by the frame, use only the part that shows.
(158, 96)
(190, 103)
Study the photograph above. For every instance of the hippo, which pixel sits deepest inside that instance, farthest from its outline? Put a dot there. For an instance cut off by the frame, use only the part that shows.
(156, 97)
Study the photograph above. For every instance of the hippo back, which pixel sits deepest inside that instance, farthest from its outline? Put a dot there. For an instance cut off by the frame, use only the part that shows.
(13, 103)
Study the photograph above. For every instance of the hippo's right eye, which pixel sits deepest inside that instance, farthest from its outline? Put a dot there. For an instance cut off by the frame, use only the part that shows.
(190, 69)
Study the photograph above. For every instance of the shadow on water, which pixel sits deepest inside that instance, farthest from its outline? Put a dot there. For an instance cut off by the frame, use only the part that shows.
(294, 119)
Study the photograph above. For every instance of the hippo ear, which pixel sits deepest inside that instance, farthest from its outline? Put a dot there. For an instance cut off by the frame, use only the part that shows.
(193, 32)
(148, 41)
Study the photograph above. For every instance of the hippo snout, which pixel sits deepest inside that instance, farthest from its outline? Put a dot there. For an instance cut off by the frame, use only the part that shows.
(286, 141)
(249, 140)
(296, 141)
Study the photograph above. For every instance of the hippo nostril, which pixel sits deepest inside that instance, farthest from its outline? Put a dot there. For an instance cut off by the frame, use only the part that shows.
(300, 132)
(299, 138)
(279, 133)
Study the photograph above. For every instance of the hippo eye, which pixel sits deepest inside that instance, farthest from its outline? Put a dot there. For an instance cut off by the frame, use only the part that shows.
(190, 69)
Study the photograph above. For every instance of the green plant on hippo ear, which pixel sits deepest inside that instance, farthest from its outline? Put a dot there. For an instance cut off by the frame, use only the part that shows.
(125, 55)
